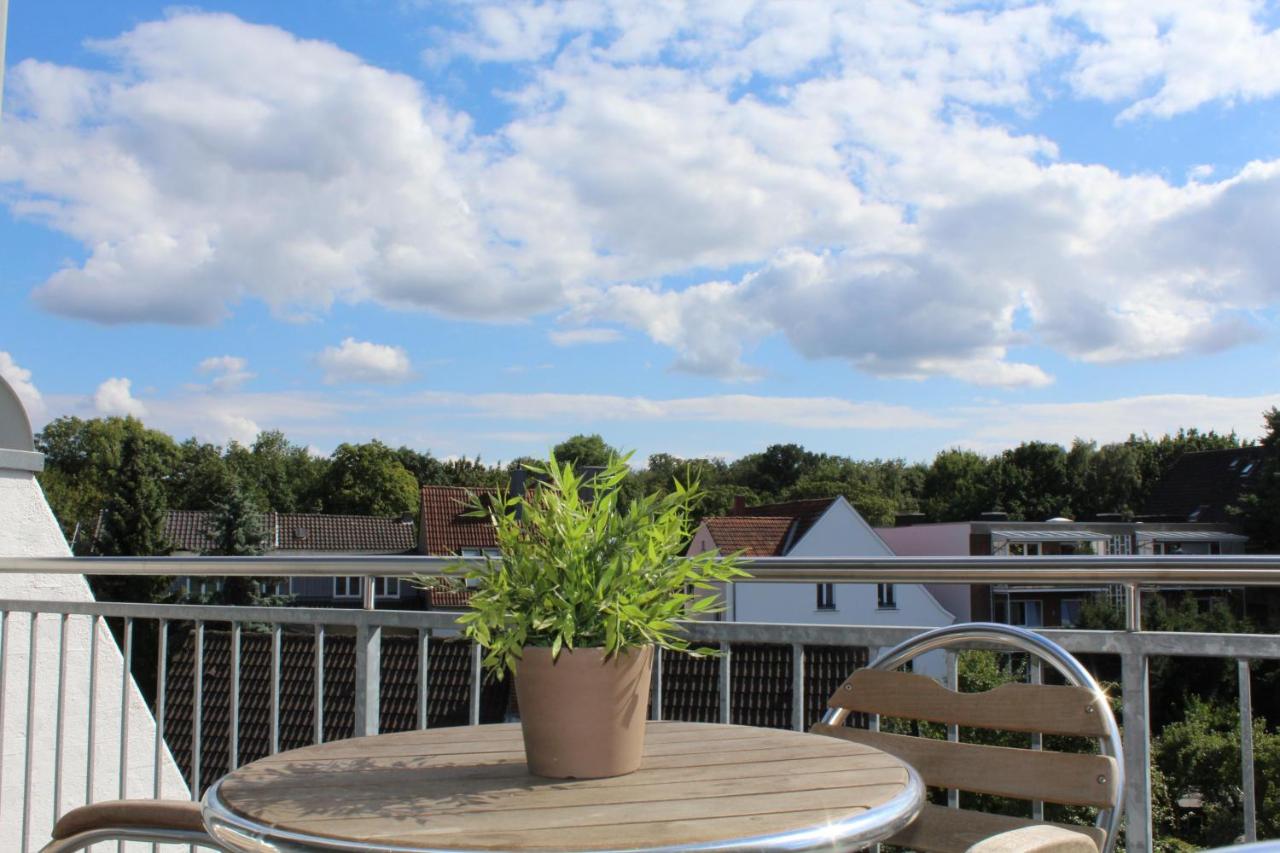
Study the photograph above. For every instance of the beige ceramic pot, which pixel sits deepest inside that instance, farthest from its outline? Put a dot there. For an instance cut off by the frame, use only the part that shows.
(583, 715)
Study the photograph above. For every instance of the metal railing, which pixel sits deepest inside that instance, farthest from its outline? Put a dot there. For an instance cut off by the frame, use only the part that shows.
(1133, 646)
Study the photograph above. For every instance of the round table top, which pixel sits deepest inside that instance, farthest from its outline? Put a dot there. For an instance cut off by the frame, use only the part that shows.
(701, 786)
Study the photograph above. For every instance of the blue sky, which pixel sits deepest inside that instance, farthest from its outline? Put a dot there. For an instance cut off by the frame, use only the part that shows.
(700, 228)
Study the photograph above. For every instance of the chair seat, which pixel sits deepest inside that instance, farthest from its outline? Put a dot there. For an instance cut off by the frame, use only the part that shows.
(130, 814)
(939, 829)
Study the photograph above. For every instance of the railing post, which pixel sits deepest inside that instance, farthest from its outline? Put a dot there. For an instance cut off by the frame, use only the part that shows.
(726, 683)
(477, 681)
(1246, 754)
(655, 700)
(797, 687)
(1137, 748)
(1132, 607)
(368, 676)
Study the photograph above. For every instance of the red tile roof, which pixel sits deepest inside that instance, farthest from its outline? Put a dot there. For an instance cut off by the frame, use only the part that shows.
(768, 530)
(189, 531)
(805, 512)
(446, 528)
(763, 536)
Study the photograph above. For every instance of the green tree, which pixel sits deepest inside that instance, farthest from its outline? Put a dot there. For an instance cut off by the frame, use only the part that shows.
(958, 486)
(1199, 756)
(200, 477)
(584, 450)
(134, 521)
(1034, 485)
(368, 479)
(236, 531)
(82, 461)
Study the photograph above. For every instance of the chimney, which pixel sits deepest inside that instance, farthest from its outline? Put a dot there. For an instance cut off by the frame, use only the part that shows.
(739, 505)
(994, 515)
(908, 519)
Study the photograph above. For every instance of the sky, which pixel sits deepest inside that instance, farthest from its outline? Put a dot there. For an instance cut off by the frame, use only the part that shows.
(877, 229)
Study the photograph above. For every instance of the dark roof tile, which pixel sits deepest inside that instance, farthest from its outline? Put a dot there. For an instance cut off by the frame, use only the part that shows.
(1200, 486)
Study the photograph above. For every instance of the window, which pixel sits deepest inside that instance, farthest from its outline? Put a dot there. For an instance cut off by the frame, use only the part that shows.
(1071, 611)
(351, 587)
(1120, 545)
(276, 586)
(826, 596)
(885, 599)
(1215, 547)
(1026, 613)
(1024, 549)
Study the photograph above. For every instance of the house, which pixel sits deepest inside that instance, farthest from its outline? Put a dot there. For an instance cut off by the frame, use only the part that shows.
(825, 527)
(301, 534)
(1204, 486)
(1057, 606)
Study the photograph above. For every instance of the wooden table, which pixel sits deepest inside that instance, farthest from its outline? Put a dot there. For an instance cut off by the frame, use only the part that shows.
(701, 787)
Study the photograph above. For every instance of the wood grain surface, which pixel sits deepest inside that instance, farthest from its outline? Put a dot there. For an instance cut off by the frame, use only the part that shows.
(467, 788)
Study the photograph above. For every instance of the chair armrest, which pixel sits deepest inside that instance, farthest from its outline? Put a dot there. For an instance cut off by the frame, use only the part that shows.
(1036, 839)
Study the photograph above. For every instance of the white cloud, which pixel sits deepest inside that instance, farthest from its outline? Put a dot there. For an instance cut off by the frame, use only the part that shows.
(220, 160)
(1176, 56)
(574, 337)
(115, 397)
(19, 380)
(991, 428)
(362, 361)
(230, 371)
(711, 175)
(803, 412)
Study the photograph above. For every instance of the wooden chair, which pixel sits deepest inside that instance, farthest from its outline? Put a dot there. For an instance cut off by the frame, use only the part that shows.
(172, 821)
(1079, 709)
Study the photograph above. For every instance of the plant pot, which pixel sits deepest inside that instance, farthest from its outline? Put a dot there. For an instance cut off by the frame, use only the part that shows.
(583, 716)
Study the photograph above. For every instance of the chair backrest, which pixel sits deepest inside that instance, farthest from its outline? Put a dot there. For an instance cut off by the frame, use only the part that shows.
(1079, 709)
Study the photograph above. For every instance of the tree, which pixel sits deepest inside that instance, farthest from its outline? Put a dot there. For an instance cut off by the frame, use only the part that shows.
(584, 451)
(134, 521)
(1034, 486)
(82, 461)
(368, 479)
(236, 531)
(200, 477)
(958, 486)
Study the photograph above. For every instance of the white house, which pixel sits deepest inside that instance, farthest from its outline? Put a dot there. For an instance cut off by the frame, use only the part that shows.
(38, 686)
(826, 527)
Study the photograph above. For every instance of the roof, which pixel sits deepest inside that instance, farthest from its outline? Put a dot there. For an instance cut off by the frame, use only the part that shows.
(1193, 535)
(1201, 486)
(305, 532)
(189, 531)
(1051, 535)
(762, 536)
(448, 697)
(806, 513)
(446, 528)
(767, 530)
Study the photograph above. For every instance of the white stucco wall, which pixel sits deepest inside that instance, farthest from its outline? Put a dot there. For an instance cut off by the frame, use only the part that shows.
(840, 532)
(28, 529)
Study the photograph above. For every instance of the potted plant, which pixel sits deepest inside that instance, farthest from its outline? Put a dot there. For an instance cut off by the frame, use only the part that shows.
(584, 590)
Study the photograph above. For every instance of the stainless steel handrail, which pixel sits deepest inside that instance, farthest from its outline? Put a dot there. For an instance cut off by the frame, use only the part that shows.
(1180, 570)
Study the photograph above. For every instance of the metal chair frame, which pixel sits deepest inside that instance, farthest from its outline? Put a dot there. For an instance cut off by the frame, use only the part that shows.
(1012, 638)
